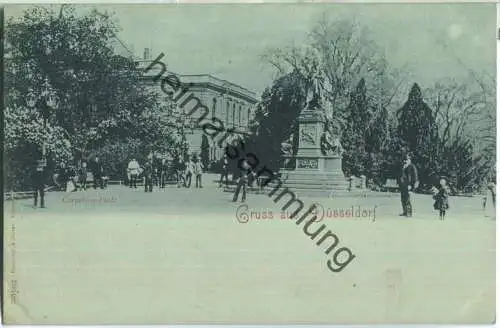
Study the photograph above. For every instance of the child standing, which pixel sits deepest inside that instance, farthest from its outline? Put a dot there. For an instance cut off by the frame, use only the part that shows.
(441, 194)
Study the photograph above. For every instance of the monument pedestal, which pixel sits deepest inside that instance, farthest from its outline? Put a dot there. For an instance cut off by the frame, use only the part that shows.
(314, 174)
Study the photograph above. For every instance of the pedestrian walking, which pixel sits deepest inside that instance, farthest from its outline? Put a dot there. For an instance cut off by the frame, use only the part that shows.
(492, 189)
(189, 172)
(198, 172)
(250, 181)
(38, 179)
(489, 191)
(224, 175)
(440, 195)
(243, 173)
(133, 172)
(180, 169)
(82, 175)
(407, 184)
(70, 182)
(97, 173)
(162, 173)
(148, 175)
(63, 176)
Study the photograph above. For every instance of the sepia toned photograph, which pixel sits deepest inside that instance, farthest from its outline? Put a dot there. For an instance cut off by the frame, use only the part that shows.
(293, 163)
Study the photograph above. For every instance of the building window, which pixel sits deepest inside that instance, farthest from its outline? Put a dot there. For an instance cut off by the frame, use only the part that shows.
(239, 116)
(248, 121)
(234, 114)
(214, 106)
(227, 113)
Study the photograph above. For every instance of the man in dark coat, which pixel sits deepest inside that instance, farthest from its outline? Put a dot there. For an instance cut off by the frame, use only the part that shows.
(407, 184)
(162, 173)
(63, 176)
(97, 173)
(148, 175)
(38, 178)
(243, 171)
(82, 177)
(224, 175)
(156, 170)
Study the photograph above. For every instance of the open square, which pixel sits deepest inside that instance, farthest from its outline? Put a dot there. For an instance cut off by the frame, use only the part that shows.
(176, 255)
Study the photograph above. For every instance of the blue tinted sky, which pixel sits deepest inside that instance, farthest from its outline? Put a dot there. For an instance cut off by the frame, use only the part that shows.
(227, 40)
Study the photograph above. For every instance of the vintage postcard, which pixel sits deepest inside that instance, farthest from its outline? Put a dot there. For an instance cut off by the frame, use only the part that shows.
(294, 163)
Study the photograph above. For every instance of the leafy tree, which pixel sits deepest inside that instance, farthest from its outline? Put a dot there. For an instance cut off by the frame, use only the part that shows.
(24, 134)
(88, 97)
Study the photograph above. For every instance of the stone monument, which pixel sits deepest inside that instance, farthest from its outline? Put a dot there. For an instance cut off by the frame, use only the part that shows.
(318, 161)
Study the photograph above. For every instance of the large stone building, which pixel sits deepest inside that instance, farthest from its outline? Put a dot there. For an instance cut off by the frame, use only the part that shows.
(227, 101)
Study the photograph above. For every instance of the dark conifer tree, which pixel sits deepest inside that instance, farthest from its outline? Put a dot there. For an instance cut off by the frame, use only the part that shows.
(355, 132)
(417, 128)
(276, 119)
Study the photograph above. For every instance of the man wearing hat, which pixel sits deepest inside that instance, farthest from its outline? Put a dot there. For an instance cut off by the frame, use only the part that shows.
(97, 173)
(133, 172)
(82, 175)
(180, 168)
(224, 172)
(38, 178)
(148, 175)
(407, 184)
(162, 173)
(243, 171)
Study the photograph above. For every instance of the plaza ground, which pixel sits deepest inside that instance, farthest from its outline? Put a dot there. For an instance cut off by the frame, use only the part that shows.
(181, 256)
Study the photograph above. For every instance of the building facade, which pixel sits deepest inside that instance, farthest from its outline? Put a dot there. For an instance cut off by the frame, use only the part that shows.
(226, 101)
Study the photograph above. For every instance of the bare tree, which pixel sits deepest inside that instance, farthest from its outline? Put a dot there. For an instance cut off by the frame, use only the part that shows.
(338, 54)
(304, 60)
(465, 112)
(461, 111)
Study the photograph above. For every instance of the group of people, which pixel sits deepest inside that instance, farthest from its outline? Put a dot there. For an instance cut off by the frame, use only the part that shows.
(158, 173)
(409, 182)
(154, 172)
(68, 178)
(185, 170)
(73, 179)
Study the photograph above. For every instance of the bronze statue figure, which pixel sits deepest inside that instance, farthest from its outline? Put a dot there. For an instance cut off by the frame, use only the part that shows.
(330, 146)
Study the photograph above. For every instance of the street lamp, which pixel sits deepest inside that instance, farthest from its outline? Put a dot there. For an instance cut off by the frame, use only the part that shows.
(62, 9)
(180, 125)
(181, 130)
(35, 102)
(45, 103)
